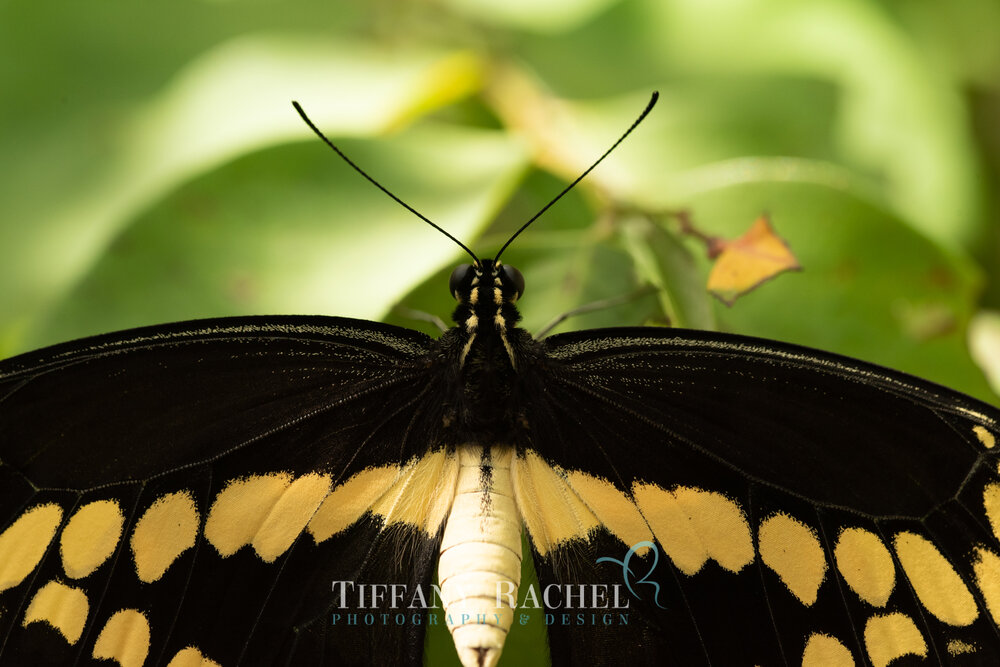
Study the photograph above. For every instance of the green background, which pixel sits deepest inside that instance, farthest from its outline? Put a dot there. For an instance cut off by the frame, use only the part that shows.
(152, 168)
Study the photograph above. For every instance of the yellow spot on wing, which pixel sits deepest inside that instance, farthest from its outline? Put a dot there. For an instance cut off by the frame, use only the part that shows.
(125, 639)
(265, 511)
(792, 550)
(349, 501)
(826, 651)
(90, 537)
(892, 636)
(289, 515)
(417, 494)
(191, 657)
(24, 542)
(551, 511)
(166, 530)
(991, 503)
(423, 493)
(986, 566)
(240, 509)
(63, 607)
(985, 437)
(695, 525)
(443, 492)
(611, 507)
(958, 647)
(935, 580)
(866, 565)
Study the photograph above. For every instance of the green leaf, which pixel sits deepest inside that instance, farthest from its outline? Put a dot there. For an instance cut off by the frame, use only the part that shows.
(984, 341)
(294, 230)
(663, 261)
(232, 101)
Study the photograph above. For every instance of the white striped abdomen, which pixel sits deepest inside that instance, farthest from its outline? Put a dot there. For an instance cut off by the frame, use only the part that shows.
(480, 567)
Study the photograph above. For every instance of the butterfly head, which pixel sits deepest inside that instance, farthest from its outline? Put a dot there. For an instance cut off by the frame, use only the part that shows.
(486, 291)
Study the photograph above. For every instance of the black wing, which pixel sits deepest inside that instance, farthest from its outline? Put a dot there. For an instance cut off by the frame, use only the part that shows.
(174, 490)
(804, 508)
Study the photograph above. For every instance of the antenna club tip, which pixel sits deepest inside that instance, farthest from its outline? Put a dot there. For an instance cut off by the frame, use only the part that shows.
(652, 103)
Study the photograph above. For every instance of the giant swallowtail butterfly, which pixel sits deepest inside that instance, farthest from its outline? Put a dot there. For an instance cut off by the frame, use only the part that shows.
(251, 491)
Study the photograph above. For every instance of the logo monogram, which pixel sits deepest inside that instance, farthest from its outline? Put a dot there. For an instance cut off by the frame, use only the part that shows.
(629, 577)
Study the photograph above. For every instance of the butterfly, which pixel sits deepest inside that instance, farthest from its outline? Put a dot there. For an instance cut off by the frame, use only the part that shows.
(282, 490)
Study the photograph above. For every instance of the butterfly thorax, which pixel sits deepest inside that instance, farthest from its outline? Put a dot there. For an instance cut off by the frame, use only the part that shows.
(490, 349)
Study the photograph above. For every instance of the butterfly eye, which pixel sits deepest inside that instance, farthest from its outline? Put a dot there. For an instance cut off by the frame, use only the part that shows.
(513, 277)
(460, 279)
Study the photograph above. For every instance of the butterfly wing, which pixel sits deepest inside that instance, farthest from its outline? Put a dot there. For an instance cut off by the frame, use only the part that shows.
(789, 506)
(198, 489)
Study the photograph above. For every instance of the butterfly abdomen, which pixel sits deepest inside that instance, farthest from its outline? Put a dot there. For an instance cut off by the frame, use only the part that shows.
(480, 567)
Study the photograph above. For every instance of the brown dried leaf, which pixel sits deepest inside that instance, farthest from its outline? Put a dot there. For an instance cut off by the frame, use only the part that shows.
(745, 263)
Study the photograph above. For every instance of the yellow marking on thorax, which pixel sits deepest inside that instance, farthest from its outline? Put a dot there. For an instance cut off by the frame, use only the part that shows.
(166, 530)
(125, 639)
(822, 650)
(985, 437)
(991, 504)
(24, 543)
(90, 537)
(510, 350)
(63, 607)
(191, 657)
(465, 350)
(892, 636)
(866, 565)
(935, 581)
(501, 325)
(694, 525)
(471, 322)
(793, 551)
(986, 567)
(480, 564)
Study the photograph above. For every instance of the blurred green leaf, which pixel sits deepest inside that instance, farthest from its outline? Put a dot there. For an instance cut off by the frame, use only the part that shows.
(229, 102)
(984, 339)
(663, 261)
(543, 17)
(234, 242)
(882, 107)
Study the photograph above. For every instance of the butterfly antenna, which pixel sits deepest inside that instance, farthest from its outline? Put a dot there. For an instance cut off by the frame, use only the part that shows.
(376, 183)
(645, 112)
